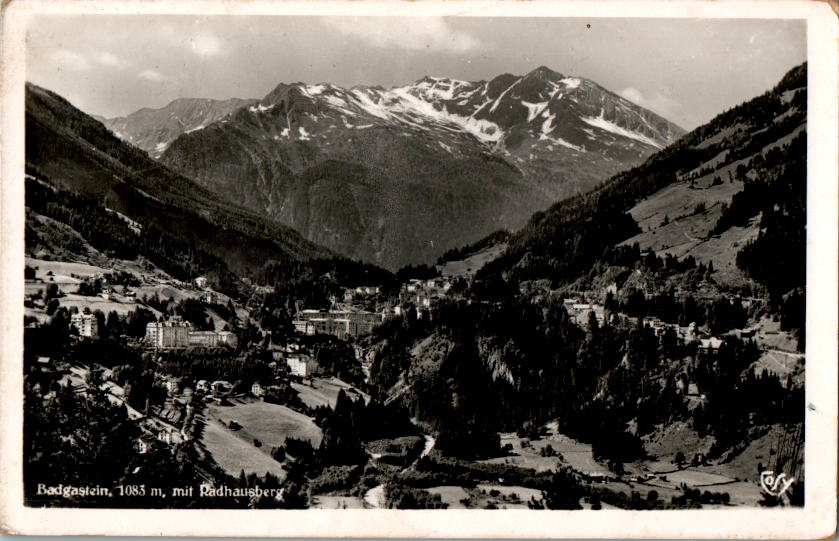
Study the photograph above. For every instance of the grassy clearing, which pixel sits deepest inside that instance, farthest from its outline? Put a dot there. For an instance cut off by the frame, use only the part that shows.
(576, 454)
(38, 314)
(686, 232)
(269, 423)
(470, 265)
(234, 454)
(62, 270)
(695, 479)
(538, 463)
(165, 291)
(528, 454)
(324, 391)
(523, 493)
(781, 363)
(98, 303)
(770, 336)
(666, 441)
(761, 450)
(679, 200)
(451, 495)
(501, 497)
(742, 493)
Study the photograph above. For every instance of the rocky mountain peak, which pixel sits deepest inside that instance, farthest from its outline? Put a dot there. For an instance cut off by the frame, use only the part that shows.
(545, 73)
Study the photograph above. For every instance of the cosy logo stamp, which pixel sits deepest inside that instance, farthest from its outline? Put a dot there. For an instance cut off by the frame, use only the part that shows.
(775, 485)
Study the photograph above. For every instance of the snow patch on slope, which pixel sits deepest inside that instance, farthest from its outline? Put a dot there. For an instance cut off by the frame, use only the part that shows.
(260, 108)
(370, 106)
(314, 90)
(534, 109)
(548, 124)
(201, 127)
(483, 130)
(609, 126)
(563, 142)
(570, 82)
(501, 96)
(438, 88)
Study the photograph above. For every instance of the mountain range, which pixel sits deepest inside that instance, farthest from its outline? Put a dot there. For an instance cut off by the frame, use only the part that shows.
(399, 176)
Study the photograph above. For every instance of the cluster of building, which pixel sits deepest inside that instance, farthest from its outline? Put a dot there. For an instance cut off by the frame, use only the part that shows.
(363, 307)
(421, 295)
(340, 323)
(219, 387)
(361, 292)
(709, 345)
(434, 287)
(580, 314)
(177, 333)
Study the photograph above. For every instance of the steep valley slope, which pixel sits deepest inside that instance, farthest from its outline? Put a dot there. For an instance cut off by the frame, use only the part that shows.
(83, 176)
(676, 242)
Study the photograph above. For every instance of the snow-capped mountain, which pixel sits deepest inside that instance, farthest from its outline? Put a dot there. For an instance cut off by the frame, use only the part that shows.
(153, 129)
(397, 176)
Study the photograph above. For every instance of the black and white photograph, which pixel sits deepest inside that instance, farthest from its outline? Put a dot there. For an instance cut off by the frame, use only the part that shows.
(368, 261)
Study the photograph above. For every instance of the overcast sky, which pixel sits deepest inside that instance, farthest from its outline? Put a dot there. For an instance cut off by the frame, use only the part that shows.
(686, 70)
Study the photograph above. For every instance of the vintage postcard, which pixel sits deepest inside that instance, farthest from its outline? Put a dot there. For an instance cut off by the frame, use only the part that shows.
(419, 269)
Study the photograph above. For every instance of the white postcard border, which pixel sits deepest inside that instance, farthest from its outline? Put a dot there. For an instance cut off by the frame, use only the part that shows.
(816, 520)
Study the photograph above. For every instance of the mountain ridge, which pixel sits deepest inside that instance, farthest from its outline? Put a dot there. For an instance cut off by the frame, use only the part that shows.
(153, 129)
(431, 151)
